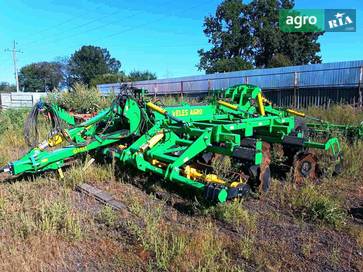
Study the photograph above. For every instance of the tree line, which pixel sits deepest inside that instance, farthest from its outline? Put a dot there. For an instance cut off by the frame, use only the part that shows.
(243, 36)
(90, 65)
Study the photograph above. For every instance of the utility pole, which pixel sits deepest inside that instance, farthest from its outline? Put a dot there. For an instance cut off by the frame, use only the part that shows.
(14, 51)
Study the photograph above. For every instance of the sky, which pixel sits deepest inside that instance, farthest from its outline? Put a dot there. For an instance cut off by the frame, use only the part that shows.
(162, 36)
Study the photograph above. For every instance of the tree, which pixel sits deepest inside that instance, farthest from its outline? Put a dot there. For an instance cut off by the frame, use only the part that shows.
(63, 62)
(248, 35)
(6, 87)
(90, 62)
(40, 77)
(108, 78)
(225, 65)
(279, 60)
(141, 75)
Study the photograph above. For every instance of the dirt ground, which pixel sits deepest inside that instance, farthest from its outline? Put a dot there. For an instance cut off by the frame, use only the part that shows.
(164, 231)
(46, 225)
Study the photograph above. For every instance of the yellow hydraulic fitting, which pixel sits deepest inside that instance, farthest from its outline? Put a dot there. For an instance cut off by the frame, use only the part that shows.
(297, 113)
(193, 173)
(152, 142)
(159, 163)
(55, 140)
(155, 108)
(265, 100)
(228, 105)
(122, 147)
(261, 107)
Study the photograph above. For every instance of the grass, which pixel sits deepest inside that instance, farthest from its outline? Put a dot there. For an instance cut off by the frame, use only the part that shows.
(155, 236)
(45, 226)
(95, 173)
(312, 205)
(352, 160)
(81, 99)
(179, 249)
(172, 100)
(306, 247)
(221, 166)
(236, 215)
(37, 215)
(57, 217)
(107, 216)
(339, 114)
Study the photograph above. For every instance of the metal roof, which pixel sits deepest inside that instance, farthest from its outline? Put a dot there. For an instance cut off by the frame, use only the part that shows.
(347, 73)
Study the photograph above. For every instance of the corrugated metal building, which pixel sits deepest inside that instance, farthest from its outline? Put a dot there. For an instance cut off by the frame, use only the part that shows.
(304, 85)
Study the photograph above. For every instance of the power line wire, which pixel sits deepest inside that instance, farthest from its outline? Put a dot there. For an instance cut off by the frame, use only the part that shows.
(154, 21)
(87, 30)
(88, 23)
(130, 28)
(54, 27)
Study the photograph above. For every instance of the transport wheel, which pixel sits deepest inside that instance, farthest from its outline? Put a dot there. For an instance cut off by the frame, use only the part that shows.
(305, 167)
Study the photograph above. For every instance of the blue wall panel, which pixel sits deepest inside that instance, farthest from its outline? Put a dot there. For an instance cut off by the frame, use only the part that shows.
(321, 75)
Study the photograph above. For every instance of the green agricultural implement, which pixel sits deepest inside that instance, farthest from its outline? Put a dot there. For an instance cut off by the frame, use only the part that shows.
(184, 143)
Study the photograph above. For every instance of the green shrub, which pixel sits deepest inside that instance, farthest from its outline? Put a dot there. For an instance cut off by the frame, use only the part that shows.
(80, 99)
(12, 120)
(340, 114)
(96, 173)
(107, 216)
(315, 207)
(156, 236)
(222, 165)
(25, 226)
(352, 159)
(58, 218)
(235, 214)
(2, 208)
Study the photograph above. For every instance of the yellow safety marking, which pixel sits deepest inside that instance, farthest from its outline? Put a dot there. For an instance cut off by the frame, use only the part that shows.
(261, 107)
(228, 105)
(155, 108)
(297, 113)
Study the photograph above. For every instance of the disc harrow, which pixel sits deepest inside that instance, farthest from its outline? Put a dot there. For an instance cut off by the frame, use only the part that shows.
(179, 143)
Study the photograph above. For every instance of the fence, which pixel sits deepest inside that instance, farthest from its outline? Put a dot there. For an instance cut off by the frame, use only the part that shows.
(300, 86)
(19, 100)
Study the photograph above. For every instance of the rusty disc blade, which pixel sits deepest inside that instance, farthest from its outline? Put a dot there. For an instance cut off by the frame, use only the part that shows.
(305, 167)
(265, 173)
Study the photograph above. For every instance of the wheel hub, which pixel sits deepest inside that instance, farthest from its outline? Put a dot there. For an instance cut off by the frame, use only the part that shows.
(305, 167)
